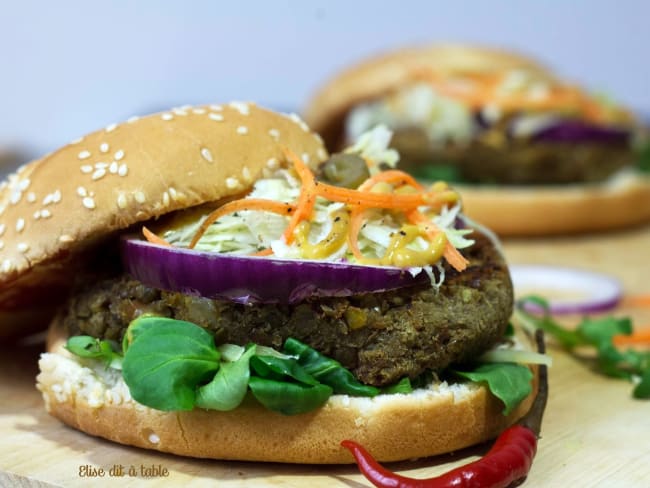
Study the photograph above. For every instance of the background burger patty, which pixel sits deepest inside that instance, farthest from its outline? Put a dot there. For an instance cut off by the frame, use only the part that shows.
(381, 337)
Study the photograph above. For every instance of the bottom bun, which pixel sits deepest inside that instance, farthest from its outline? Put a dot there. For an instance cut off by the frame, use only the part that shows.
(624, 201)
(440, 419)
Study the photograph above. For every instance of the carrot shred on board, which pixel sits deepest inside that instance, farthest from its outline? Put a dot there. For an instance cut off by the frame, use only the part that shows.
(240, 205)
(640, 335)
(637, 301)
(153, 237)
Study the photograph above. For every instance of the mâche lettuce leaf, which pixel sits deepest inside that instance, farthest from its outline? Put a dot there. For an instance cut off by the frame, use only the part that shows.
(173, 365)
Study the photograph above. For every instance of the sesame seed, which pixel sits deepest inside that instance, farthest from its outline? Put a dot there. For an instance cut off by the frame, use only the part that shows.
(100, 173)
(232, 182)
(20, 225)
(132, 119)
(272, 163)
(37, 215)
(45, 213)
(305, 158)
(199, 111)
(217, 117)
(84, 154)
(77, 140)
(217, 108)
(321, 153)
(15, 197)
(113, 167)
(103, 147)
(3, 227)
(165, 199)
(172, 193)
(22, 247)
(86, 168)
(66, 238)
(241, 107)
(24, 184)
(123, 169)
(7, 265)
(82, 192)
(154, 439)
(121, 200)
(274, 133)
(139, 197)
(242, 129)
(167, 116)
(101, 165)
(56, 196)
(179, 111)
(119, 155)
(88, 202)
(110, 127)
(207, 155)
(246, 173)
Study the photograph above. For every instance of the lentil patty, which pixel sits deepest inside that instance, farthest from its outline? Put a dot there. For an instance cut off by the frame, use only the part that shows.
(380, 337)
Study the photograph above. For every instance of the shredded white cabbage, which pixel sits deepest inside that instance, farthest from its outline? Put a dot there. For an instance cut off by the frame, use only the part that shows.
(246, 232)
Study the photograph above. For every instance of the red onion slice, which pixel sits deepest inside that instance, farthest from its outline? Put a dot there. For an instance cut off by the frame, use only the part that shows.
(253, 279)
(574, 131)
(568, 290)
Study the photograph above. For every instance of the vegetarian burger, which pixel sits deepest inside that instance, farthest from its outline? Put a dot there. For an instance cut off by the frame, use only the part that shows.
(535, 155)
(233, 292)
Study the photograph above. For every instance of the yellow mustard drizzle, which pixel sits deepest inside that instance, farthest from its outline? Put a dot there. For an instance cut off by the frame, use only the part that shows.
(399, 254)
(332, 242)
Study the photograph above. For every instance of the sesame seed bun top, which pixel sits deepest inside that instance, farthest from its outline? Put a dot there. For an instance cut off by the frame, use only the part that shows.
(52, 208)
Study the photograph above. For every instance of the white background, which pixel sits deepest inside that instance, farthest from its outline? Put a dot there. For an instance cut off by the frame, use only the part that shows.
(69, 67)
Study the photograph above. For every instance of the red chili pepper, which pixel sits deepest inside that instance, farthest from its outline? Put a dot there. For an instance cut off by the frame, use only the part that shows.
(509, 459)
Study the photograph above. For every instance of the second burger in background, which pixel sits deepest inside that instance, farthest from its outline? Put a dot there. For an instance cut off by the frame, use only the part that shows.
(538, 155)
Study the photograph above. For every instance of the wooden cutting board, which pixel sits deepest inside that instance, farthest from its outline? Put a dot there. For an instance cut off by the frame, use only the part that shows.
(594, 432)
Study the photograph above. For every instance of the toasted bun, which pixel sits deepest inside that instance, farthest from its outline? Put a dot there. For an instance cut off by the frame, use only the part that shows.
(623, 201)
(441, 419)
(55, 207)
(386, 72)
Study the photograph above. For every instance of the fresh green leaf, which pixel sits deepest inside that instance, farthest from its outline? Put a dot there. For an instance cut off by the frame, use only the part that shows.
(142, 324)
(597, 333)
(289, 398)
(280, 369)
(509, 382)
(642, 389)
(402, 386)
(228, 388)
(327, 370)
(166, 361)
(89, 347)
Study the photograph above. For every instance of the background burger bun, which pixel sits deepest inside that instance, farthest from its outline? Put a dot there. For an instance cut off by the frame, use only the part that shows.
(391, 427)
(53, 209)
(381, 74)
(531, 210)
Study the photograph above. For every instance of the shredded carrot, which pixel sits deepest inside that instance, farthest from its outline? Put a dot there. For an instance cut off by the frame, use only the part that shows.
(154, 238)
(639, 336)
(357, 216)
(391, 176)
(307, 199)
(263, 252)
(240, 205)
(637, 301)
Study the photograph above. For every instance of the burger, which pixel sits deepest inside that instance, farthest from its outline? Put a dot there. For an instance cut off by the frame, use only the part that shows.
(531, 153)
(227, 289)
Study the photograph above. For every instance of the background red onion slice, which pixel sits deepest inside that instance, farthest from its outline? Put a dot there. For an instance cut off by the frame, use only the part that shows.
(251, 279)
(569, 290)
(571, 130)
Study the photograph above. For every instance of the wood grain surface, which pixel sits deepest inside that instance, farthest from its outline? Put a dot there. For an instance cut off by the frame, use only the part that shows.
(594, 432)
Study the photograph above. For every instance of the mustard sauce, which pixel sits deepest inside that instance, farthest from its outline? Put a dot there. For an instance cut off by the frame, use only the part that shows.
(331, 243)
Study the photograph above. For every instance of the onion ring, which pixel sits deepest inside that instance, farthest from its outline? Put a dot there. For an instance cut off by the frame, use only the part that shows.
(574, 291)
